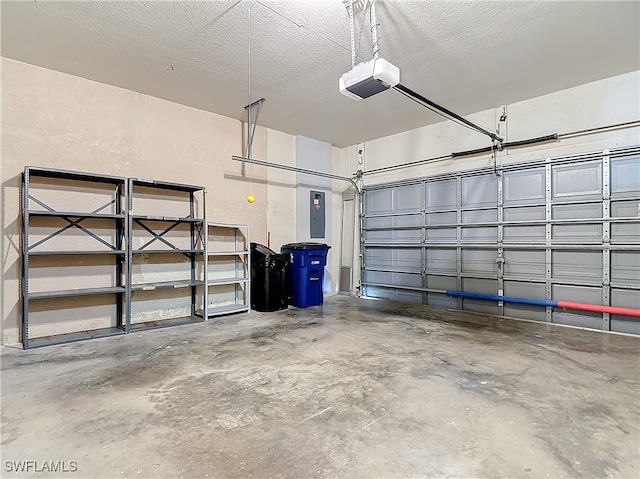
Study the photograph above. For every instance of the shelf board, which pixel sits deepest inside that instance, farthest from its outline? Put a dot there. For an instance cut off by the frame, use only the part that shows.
(87, 252)
(166, 285)
(75, 336)
(77, 292)
(227, 309)
(165, 323)
(214, 282)
(170, 219)
(227, 253)
(143, 251)
(72, 214)
(39, 172)
(164, 185)
(226, 225)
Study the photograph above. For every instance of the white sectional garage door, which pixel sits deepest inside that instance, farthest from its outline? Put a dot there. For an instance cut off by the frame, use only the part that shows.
(563, 229)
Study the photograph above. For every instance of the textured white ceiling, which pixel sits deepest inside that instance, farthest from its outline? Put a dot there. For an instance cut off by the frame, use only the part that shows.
(467, 56)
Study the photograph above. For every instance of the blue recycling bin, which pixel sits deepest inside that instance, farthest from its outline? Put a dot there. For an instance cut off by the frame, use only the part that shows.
(305, 272)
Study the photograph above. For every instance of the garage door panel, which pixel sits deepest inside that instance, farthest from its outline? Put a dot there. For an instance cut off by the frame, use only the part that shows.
(522, 187)
(522, 289)
(625, 176)
(477, 306)
(400, 259)
(394, 294)
(447, 218)
(391, 221)
(480, 216)
(525, 289)
(521, 311)
(408, 198)
(625, 233)
(480, 191)
(441, 301)
(480, 235)
(441, 195)
(400, 279)
(625, 326)
(482, 286)
(625, 267)
(531, 213)
(379, 202)
(582, 319)
(628, 209)
(479, 261)
(577, 233)
(394, 236)
(575, 181)
(577, 294)
(441, 235)
(579, 211)
(576, 266)
(524, 234)
(625, 298)
(525, 263)
(441, 260)
(441, 282)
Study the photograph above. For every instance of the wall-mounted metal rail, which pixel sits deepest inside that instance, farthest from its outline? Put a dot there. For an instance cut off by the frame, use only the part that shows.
(296, 169)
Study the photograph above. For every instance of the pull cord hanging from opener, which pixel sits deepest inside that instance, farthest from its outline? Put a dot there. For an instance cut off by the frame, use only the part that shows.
(251, 123)
(250, 198)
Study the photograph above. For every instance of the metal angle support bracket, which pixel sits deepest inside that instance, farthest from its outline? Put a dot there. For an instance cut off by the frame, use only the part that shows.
(351, 5)
(251, 123)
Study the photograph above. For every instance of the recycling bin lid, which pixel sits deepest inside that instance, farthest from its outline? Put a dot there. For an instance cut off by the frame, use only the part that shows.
(303, 246)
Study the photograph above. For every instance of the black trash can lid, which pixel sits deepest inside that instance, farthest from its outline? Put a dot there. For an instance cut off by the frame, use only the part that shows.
(321, 246)
(262, 249)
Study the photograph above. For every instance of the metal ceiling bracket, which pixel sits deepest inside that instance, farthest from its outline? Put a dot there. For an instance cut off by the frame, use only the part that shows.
(349, 5)
(374, 29)
(251, 124)
(373, 22)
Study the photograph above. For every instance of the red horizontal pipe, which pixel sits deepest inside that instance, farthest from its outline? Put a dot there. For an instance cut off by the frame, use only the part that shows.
(599, 309)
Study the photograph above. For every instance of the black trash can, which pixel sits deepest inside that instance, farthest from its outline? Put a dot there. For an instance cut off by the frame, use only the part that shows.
(268, 279)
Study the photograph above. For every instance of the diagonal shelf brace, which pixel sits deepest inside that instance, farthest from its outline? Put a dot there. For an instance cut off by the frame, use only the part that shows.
(71, 225)
(157, 236)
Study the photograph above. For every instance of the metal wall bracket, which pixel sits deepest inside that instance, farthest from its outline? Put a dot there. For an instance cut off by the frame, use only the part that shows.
(251, 123)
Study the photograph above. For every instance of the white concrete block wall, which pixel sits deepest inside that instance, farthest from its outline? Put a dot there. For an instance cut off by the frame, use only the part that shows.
(600, 103)
(55, 120)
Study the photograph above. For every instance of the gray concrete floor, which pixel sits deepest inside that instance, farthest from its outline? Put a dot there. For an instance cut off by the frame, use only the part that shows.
(355, 388)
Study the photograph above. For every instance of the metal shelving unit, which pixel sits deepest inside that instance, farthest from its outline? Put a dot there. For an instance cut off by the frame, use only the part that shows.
(166, 239)
(47, 216)
(133, 253)
(227, 270)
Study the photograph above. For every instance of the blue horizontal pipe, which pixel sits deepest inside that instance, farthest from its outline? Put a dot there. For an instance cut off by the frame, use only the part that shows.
(507, 299)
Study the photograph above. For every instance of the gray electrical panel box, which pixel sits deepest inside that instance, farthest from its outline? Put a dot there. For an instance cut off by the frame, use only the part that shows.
(317, 214)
